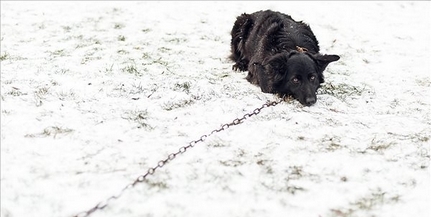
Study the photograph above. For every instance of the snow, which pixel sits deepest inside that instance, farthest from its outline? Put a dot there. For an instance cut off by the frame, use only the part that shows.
(93, 94)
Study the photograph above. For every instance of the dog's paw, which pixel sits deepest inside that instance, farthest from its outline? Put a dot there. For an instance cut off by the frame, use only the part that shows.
(235, 67)
(239, 67)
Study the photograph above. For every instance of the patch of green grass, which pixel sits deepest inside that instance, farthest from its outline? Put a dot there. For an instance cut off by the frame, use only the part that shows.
(108, 69)
(51, 131)
(137, 88)
(265, 165)
(4, 56)
(369, 202)
(66, 95)
(42, 90)
(55, 130)
(289, 188)
(161, 62)
(295, 172)
(155, 184)
(146, 55)
(61, 71)
(176, 40)
(8, 81)
(121, 38)
(15, 92)
(332, 143)
(183, 87)
(415, 137)
(146, 30)
(216, 144)
(210, 38)
(171, 105)
(89, 58)
(6, 112)
(140, 117)
(40, 94)
(122, 52)
(423, 138)
(426, 82)
(342, 90)
(131, 68)
(118, 26)
(164, 49)
(155, 61)
(232, 163)
(67, 28)
(379, 145)
(59, 52)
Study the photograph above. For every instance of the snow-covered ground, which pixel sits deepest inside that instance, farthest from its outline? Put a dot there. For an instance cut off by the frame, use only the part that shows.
(95, 93)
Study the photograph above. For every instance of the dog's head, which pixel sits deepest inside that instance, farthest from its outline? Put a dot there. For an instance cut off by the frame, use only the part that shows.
(298, 74)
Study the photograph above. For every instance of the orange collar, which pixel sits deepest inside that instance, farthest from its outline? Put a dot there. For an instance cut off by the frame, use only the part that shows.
(301, 49)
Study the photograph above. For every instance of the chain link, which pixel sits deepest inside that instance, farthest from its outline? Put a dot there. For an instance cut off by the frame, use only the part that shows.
(173, 155)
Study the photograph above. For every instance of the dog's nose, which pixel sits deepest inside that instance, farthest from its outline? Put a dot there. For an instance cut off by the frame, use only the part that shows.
(310, 101)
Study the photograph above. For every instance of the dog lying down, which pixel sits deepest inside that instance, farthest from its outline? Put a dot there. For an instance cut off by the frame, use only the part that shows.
(281, 55)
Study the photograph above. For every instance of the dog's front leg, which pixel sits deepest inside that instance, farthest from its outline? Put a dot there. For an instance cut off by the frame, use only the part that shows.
(261, 78)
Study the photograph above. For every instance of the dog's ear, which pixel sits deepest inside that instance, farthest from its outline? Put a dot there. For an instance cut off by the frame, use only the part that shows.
(324, 60)
(275, 70)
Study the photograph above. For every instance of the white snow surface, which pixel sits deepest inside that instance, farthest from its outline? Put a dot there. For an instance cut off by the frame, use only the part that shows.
(93, 94)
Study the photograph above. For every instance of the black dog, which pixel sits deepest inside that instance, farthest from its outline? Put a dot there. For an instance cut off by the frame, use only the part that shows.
(281, 55)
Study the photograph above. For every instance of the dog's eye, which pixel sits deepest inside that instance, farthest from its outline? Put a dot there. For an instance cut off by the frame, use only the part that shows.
(295, 80)
(312, 78)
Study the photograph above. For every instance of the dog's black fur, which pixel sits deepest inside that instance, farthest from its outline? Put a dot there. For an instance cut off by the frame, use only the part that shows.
(281, 54)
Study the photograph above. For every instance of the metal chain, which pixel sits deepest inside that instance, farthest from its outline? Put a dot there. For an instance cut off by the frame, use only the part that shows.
(173, 155)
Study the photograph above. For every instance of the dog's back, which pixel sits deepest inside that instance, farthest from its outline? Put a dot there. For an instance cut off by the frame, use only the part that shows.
(265, 33)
